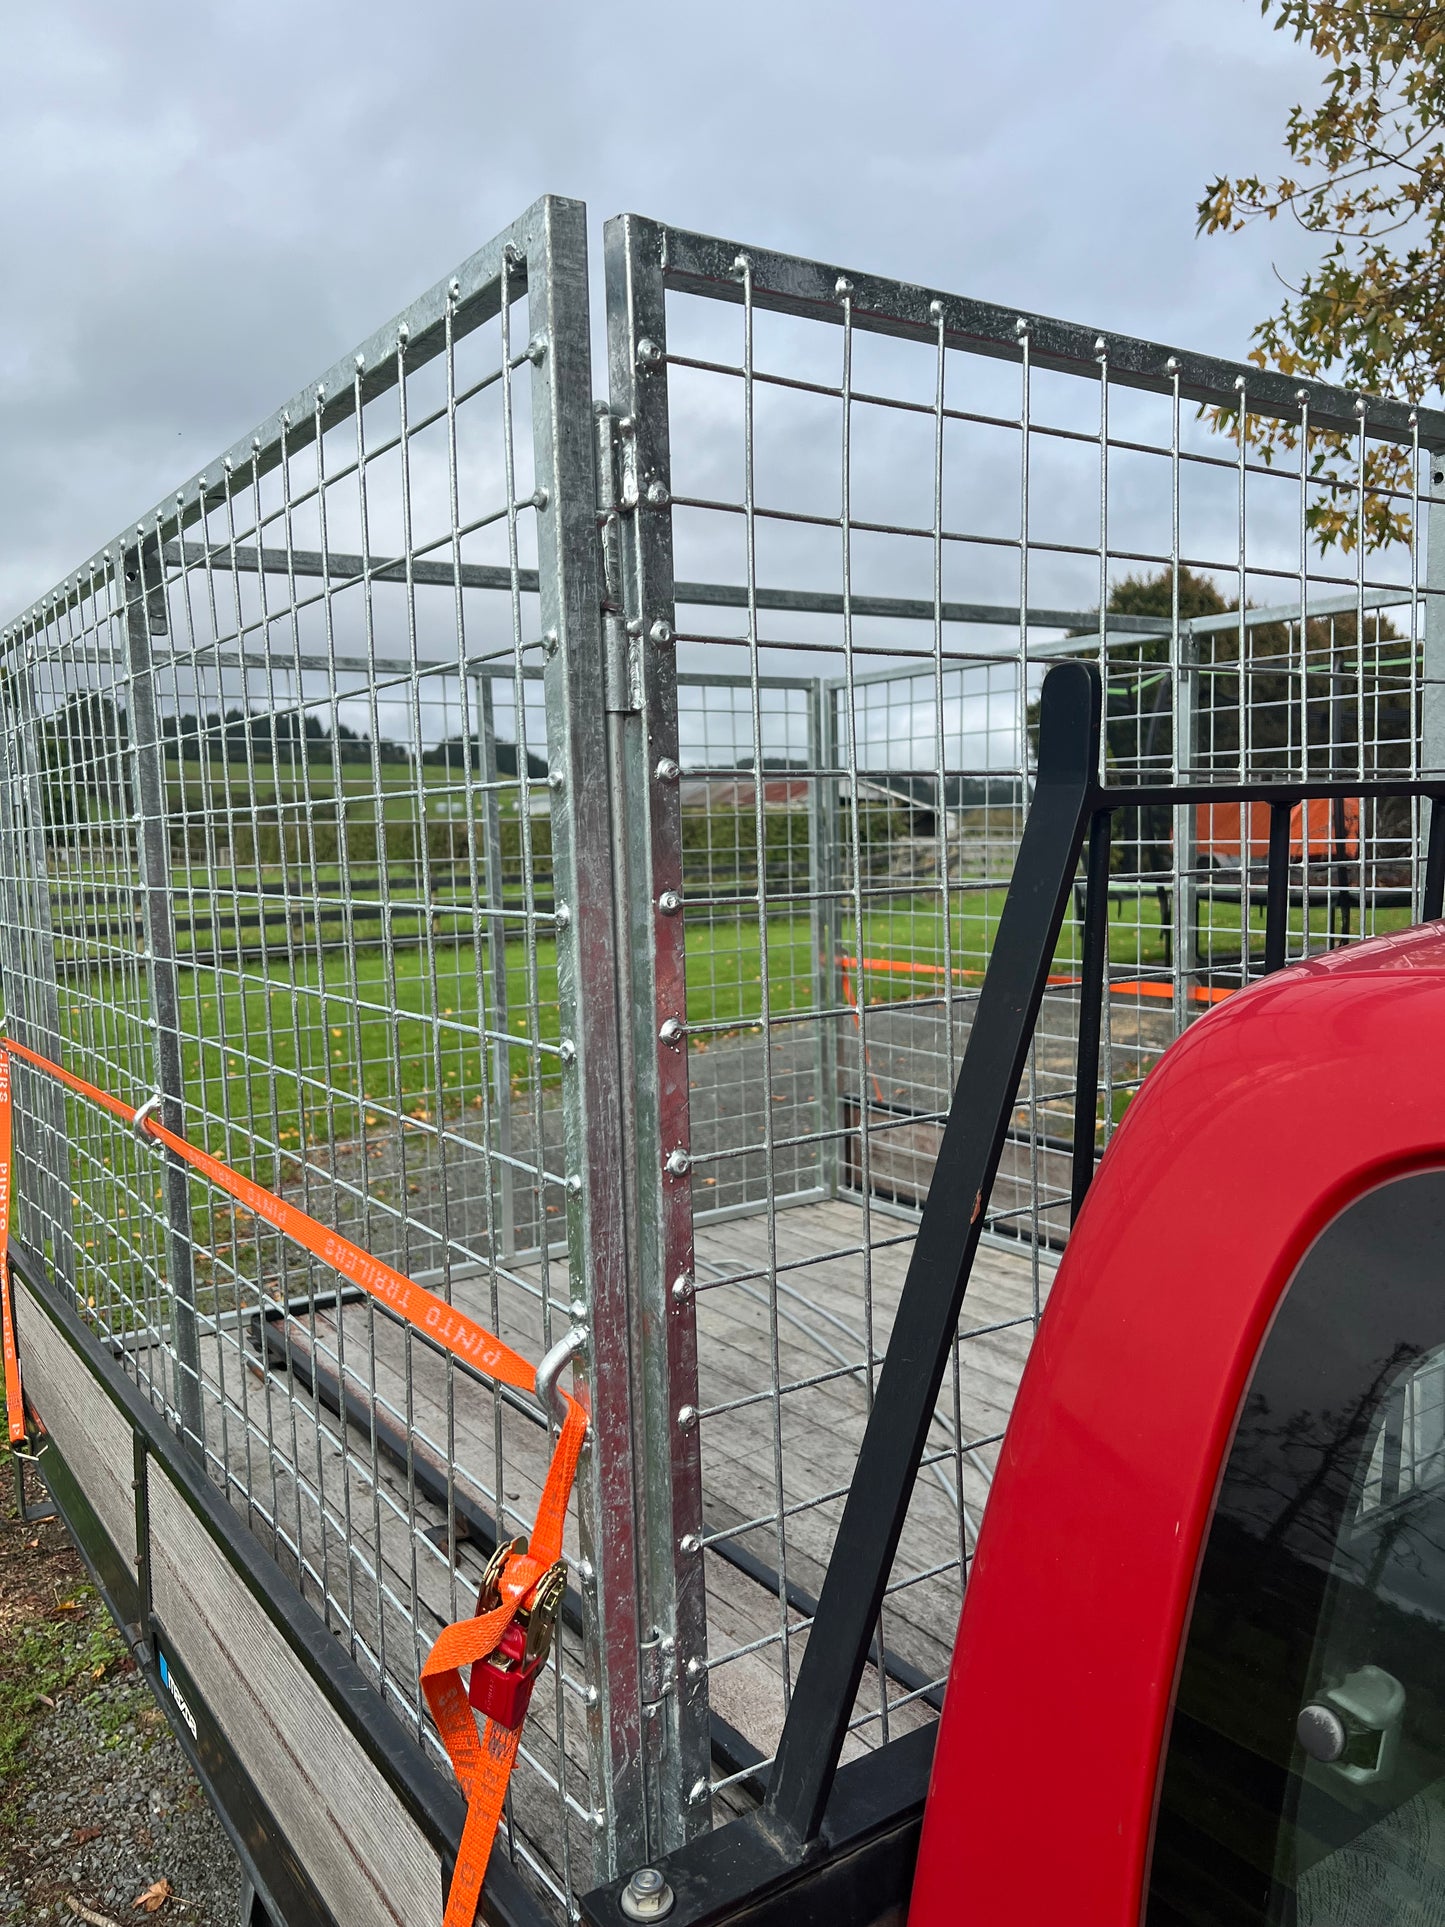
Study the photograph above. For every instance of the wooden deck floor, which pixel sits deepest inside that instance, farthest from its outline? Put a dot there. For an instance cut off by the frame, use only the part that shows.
(789, 1309)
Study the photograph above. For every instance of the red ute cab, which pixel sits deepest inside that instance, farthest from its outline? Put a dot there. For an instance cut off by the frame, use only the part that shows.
(1200, 1675)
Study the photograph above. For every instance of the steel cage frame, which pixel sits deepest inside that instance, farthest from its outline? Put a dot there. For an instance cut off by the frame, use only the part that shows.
(604, 672)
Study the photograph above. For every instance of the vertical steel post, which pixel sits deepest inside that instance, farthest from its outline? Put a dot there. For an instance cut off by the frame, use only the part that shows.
(822, 885)
(1276, 909)
(29, 976)
(144, 610)
(506, 1179)
(646, 742)
(1185, 947)
(1432, 693)
(587, 976)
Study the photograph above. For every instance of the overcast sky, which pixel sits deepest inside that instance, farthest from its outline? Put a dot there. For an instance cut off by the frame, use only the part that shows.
(205, 206)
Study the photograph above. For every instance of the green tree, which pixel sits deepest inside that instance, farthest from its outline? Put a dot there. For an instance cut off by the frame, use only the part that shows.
(1366, 174)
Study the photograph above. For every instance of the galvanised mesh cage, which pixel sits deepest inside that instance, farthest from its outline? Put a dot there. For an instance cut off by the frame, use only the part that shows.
(558, 844)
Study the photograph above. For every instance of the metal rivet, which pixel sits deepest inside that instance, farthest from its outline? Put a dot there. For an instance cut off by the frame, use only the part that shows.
(689, 1542)
(551, 641)
(1021, 327)
(574, 1186)
(842, 285)
(1172, 365)
(656, 494)
(667, 770)
(567, 1051)
(671, 1032)
(536, 349)
(1239, 384)
(562, 916)
(935, 311)
(741, 263)
(586, 1571)
(697, 1793)
(555, 779)
(661, 633)
(696, 1667)
(539, 498)
(686, 1416)
(678, 1163)
(648, 351)
(682, 1287)
(669, 903)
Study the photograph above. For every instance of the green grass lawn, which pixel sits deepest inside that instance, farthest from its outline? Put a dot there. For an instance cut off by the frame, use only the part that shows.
(365, 1033)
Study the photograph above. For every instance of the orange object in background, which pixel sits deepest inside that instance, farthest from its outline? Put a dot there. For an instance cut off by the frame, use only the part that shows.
(1331, 827)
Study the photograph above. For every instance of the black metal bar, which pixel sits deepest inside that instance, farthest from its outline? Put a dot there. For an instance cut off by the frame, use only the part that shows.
(948, 1235)
(1091, 1007)
(1276, 902)
(1433, 903)
(744, 1873)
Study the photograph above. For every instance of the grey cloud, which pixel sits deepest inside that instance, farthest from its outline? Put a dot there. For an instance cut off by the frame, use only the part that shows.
(207, 205)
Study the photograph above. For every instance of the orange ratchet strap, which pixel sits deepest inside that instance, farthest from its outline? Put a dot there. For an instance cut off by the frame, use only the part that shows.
(521, 1593)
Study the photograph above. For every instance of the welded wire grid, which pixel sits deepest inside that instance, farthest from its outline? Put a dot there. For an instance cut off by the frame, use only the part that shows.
(917, 529)
(327, 670)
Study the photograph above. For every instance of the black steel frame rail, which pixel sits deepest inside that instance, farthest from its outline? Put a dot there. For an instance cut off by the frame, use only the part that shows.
(834, 1846)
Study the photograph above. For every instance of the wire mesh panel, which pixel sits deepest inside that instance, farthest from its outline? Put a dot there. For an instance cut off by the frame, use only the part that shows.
(560, 849)
(914, 503)
(307, 771)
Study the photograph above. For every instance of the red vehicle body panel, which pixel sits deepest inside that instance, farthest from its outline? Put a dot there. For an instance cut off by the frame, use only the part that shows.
(1264, 1121)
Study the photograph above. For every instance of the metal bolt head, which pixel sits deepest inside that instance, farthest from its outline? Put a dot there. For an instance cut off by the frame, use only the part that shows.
(562, 916)
(669, 903)
(1322, 1733)
(671, 1033)
(555, 779)
(536, 349)
(661, 633)
(667, 770)
(678, 1163)
(657, 493)
(648, 351)
(647, 1895)
(567, 1051)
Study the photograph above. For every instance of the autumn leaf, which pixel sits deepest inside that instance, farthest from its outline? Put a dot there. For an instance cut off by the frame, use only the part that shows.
(154, 1898)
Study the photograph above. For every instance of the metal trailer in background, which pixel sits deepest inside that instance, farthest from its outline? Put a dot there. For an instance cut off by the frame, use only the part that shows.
(558, 844)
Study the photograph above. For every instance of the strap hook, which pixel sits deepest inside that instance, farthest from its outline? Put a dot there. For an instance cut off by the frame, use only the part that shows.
(138, 1122)
(549, 1394)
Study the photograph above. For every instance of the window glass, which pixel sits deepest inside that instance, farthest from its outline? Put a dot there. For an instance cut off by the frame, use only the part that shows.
(1304, 1780)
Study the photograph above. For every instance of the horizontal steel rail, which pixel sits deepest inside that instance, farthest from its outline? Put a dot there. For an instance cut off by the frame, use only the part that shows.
(786, 284)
